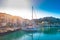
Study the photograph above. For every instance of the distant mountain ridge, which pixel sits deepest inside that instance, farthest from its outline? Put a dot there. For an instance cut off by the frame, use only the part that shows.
(51, 20)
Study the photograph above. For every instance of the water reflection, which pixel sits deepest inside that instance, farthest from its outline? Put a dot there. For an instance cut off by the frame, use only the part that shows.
(51, 30)
(41, 36)
(12, 36)
(44, 34)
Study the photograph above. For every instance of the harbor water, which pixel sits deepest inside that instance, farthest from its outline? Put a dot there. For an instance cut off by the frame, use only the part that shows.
(50, 34)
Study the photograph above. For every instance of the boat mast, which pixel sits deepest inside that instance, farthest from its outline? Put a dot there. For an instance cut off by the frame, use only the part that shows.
(32, 12)
(32, 22)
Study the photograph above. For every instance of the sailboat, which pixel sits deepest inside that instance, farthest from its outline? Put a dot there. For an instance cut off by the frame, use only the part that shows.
(32, 27)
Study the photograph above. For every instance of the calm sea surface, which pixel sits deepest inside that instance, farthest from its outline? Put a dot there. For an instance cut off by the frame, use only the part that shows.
(49, 34)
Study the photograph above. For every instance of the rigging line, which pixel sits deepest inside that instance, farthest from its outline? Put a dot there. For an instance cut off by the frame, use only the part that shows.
(35, 14)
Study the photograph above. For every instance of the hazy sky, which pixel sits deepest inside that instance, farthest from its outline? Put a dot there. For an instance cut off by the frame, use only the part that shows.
(42, 8)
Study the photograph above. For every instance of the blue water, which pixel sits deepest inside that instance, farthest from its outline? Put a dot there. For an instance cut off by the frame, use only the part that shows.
(49, 34)
(41, 36)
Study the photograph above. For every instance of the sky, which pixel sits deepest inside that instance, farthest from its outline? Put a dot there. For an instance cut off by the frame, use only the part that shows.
(23, 8)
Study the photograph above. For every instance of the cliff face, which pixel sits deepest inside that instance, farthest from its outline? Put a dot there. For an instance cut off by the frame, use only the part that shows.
(6, 18)
(9, 22)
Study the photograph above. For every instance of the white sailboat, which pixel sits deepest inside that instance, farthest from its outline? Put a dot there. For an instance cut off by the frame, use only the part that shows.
(31, 27)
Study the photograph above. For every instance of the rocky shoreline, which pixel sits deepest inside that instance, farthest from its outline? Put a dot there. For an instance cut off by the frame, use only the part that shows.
(8, 32)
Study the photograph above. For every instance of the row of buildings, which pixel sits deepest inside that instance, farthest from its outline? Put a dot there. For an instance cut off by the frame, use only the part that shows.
(46, 24)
